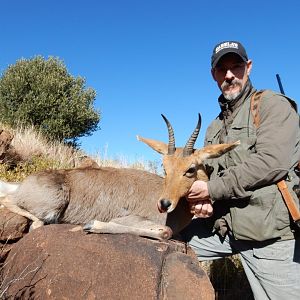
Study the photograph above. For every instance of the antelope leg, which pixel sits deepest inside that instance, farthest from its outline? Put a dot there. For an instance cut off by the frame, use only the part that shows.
(155, 231)
(22, 212)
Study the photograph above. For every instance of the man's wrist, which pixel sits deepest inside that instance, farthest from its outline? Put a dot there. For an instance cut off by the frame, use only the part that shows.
(216, 189)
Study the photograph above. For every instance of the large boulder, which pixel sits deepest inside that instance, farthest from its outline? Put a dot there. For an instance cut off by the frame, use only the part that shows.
(12, 228)
(54, 262)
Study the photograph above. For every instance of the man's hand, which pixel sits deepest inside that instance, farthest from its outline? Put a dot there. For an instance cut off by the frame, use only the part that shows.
(199, 201)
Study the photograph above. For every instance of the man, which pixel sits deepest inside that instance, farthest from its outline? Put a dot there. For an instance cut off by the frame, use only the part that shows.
(240, 209)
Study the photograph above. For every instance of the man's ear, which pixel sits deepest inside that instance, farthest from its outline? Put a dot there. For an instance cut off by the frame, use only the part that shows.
(249, 66)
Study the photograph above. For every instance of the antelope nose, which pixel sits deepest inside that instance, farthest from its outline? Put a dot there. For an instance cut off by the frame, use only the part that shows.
(165, 204)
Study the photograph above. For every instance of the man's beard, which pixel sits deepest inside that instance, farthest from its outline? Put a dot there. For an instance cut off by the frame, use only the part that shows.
(231, 96)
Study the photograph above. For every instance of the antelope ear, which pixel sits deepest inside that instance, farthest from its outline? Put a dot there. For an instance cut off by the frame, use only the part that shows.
(214, 151)
(158, 146)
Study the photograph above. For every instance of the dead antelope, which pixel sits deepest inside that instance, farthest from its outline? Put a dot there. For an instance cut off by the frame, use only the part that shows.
(112, 200)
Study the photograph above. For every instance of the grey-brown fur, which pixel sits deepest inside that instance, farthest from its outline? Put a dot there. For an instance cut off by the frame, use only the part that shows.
(78, 196)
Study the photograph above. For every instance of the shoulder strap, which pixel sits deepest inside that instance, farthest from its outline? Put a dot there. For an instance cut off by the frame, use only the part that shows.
(289, 201)
(282, 186)
(254, 106)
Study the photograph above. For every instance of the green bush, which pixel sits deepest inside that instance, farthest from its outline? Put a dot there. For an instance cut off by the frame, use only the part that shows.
(42, 93)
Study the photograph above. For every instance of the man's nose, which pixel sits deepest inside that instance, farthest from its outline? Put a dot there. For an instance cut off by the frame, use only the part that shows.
(229, 75)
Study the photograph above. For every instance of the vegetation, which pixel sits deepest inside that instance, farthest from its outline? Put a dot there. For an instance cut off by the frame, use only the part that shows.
(41, 92)
(37, 153)
(229, 279)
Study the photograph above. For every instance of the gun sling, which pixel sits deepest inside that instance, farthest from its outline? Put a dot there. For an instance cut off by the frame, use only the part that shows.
(282, 186)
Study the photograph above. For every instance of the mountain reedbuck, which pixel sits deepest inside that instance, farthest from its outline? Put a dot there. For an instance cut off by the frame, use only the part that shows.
(115, 200)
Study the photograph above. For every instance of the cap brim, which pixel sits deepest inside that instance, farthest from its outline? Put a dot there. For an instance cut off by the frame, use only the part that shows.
(224, 52)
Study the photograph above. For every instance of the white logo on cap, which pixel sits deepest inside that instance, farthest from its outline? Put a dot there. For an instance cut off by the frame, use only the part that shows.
(226, 45)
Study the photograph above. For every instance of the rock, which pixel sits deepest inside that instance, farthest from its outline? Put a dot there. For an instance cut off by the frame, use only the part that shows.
(5, 140)
(12, 228)
(88, 162)
(53, 262)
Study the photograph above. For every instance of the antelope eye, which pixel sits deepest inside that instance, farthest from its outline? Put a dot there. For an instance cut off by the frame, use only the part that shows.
(191, 171)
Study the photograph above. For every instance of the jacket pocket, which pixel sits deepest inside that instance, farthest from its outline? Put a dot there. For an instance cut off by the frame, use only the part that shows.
(247, 138)
(261, 219)
(276, 263)
(276, 251)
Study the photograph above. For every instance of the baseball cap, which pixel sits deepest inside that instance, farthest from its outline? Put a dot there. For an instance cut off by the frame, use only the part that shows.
(228, 47)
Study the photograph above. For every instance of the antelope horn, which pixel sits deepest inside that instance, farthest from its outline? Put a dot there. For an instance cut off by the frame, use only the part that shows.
(188, 148)
(171, 145)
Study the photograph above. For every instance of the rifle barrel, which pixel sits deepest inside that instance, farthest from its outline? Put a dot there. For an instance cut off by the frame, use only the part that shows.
(280, 84)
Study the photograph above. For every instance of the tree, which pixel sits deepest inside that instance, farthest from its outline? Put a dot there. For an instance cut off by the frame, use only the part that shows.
(42, 93)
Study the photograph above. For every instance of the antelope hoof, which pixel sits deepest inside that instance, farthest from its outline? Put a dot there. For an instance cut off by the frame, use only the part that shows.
(92, 226)
(35, 225)
(165, 233)
(88, 226)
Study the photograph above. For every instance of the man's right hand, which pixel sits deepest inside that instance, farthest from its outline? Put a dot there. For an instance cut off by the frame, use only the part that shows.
(202, 209)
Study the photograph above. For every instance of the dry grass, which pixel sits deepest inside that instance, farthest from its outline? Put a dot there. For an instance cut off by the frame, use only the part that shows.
(30, 143)
(229, 279)
(103, 159)
(37, 153)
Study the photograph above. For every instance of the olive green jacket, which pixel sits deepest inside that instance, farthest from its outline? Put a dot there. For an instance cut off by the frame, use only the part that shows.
(242, 182)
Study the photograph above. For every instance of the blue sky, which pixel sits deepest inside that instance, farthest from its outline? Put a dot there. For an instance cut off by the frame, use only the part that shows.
(145, 58)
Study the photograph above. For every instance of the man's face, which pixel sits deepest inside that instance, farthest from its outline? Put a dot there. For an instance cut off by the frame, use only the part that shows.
(231, 74)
